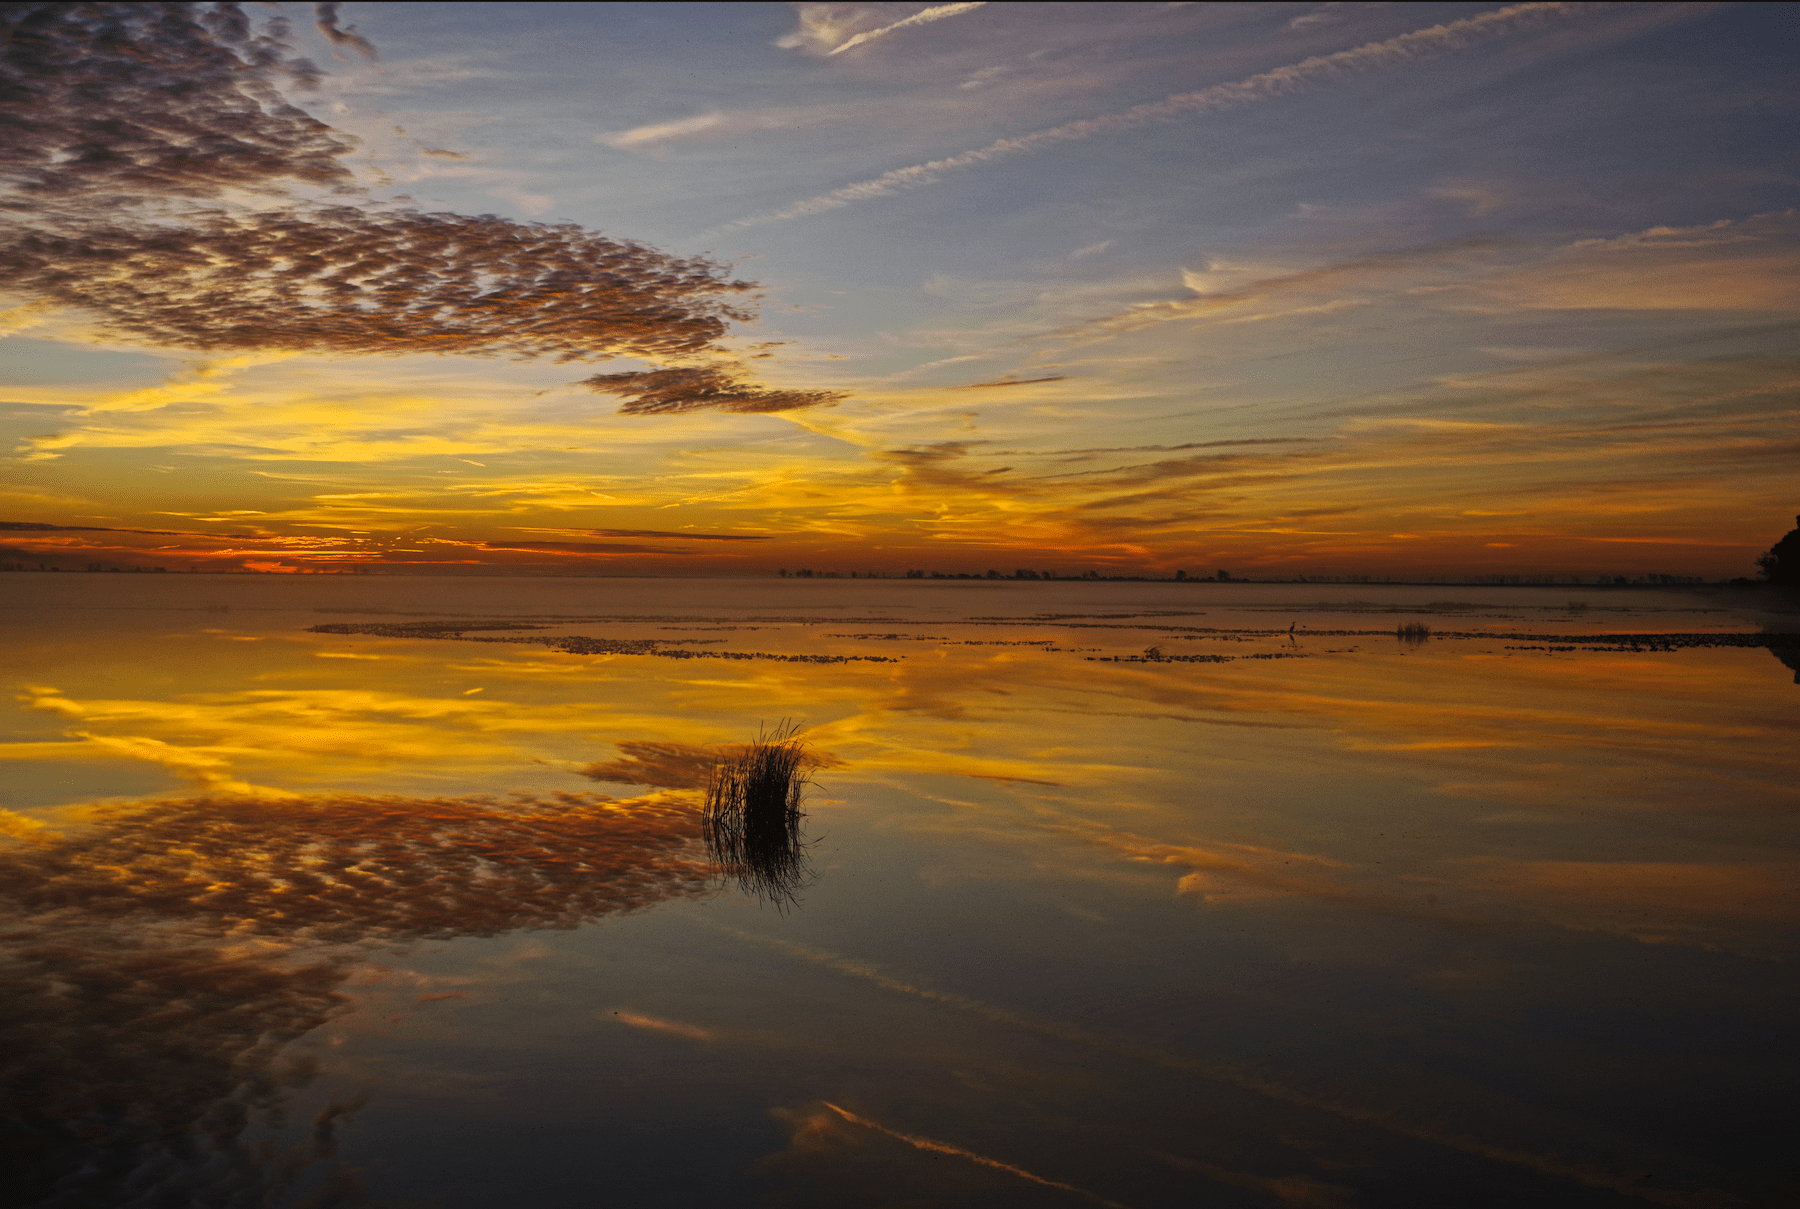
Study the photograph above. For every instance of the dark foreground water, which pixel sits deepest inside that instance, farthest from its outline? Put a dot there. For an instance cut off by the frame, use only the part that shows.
(1125, 894)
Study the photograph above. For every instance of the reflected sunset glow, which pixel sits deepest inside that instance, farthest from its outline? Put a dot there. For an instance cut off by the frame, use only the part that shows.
(883, 605)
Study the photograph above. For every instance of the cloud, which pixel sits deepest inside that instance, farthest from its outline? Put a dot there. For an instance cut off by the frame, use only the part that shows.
(17, 319)
(1011, 382)
(673, 1028)
(347, 36)
(829, 29)
(692, 537)
(577, 547)
(719, 124)
(137, 99)
(128, 106)
(658, 132)
(1329, 13)
(40, 527)
(674, 391)
(1747, 264)
(1051, 453)
(339, 279)
(1374, 56)
(1209, 301)
(935, 13)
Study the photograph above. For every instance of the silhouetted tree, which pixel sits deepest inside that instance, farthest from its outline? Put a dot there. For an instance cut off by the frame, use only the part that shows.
(1781, 565)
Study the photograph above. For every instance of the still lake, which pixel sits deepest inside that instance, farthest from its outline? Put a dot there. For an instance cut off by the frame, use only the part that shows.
(1128, 894)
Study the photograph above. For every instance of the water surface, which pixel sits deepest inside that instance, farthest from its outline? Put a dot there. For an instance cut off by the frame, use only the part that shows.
(1132, 894)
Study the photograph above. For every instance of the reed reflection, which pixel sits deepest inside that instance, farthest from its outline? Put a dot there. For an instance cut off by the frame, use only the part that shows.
(175, 949)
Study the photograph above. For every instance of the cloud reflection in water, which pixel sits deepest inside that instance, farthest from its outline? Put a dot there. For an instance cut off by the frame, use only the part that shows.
(176, 948)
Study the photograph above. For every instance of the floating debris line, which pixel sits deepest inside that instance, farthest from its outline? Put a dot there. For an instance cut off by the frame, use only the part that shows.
(578, 644)
(1409, 633)
(1147, 657)
(751, 822)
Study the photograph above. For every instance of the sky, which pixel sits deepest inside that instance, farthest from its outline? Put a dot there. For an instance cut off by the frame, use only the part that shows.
(1399, 290)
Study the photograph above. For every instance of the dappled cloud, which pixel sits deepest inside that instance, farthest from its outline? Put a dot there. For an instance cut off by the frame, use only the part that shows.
(130, 114)
(161, 99)
(342, 279)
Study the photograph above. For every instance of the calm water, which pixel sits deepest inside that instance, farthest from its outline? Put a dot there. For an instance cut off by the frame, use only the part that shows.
(1332, 920)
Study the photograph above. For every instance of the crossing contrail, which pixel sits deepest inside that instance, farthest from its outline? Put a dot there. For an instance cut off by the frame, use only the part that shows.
(1374, 56)
(935, 13)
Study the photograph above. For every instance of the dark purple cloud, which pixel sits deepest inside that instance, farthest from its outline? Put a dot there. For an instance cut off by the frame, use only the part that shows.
(692, 537)
(40, 527)
(1011, 382)
(672, 391)
(347, 36)
(577, 547)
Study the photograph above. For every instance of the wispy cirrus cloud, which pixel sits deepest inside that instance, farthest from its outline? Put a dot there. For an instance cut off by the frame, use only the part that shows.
(936, 12)
(718, 124)
(1374, 56)
(830, 29)
(1210, 301)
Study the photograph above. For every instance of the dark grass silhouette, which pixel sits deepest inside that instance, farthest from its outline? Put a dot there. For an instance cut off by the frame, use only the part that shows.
(1412, 633)
(1781, 565)
(751, 822)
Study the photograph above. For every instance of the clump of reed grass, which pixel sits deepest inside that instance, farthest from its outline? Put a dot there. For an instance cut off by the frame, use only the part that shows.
(751, 822)
(1413, 632)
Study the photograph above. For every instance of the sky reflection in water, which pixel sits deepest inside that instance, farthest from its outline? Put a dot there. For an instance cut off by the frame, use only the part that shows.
(1371, 923)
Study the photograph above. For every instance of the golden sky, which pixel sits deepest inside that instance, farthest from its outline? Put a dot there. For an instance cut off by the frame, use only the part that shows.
(1290, 289)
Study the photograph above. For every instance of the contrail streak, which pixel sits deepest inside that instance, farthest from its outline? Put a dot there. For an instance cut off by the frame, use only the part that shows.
(1249, 1080)
(935, 13)
(932, 1144)
(1395, 52)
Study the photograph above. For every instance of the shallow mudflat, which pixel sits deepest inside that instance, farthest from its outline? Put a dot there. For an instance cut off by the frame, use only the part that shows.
(1143, 894)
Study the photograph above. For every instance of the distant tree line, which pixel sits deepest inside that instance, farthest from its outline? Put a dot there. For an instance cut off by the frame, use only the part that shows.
(1017, 573)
